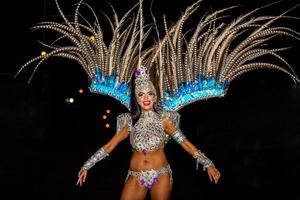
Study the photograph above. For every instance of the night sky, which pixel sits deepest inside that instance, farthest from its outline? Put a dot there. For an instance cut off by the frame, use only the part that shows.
(252, 134)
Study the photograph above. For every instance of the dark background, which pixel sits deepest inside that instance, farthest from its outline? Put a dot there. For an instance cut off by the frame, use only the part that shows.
(252, 134)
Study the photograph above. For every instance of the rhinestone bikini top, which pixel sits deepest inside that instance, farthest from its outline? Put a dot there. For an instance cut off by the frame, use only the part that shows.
(148, 133)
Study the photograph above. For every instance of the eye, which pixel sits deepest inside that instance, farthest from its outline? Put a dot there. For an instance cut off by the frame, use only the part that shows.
(151, 93)
(140, 94)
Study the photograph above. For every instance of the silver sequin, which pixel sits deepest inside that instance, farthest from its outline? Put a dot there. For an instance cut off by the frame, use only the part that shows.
(148, 133)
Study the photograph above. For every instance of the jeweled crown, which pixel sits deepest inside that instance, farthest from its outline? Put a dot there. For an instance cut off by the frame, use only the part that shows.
(142, 78)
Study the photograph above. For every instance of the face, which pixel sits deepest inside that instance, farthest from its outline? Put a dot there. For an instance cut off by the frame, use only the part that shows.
(146, 98)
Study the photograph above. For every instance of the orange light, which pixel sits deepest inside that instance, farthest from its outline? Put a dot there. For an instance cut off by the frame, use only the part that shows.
(108, 111)
(80, 90)
(107, 125)
(104, 117)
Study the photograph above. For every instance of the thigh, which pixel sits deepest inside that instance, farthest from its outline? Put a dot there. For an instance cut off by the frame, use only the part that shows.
(161, 190)
(133, 190)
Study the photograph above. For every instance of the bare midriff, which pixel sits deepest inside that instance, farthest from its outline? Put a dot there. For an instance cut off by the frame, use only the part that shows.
(151, 160)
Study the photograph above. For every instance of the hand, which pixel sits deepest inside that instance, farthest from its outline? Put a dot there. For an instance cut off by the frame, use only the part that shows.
(213, 174)
(81, 177)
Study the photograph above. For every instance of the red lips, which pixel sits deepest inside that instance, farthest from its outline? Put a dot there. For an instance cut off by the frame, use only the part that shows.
(146, 103)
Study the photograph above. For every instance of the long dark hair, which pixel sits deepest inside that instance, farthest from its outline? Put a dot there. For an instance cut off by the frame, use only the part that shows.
(135, 108)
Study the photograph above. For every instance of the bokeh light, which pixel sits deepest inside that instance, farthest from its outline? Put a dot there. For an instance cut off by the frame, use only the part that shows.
(43, 53)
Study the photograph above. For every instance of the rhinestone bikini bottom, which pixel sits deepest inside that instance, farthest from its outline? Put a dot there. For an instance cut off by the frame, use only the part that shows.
(147, 178)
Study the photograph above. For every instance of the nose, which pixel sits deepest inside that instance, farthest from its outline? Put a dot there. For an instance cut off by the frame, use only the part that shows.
(146, 97)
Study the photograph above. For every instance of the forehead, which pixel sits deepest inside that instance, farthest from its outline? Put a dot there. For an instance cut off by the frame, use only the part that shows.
(144, 89)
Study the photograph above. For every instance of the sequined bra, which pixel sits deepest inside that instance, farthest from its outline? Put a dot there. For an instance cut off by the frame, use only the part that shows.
(148, 133)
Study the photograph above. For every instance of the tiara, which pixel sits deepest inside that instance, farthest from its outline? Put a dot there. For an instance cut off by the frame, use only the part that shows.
(142, 77)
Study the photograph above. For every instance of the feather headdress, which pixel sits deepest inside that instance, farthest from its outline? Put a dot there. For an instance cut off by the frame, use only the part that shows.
(190, 67)
(203, 65)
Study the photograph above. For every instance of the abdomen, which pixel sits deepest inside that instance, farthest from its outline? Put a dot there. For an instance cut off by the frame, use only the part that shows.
(152, 160)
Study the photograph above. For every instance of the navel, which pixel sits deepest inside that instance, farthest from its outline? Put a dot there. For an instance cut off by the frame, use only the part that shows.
(145, 161)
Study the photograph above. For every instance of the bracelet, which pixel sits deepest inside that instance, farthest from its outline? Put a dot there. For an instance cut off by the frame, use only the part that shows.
(96, 157)
(178, 136)
(202, 159)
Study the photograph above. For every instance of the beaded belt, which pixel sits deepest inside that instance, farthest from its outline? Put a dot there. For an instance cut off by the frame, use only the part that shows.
(147, 178)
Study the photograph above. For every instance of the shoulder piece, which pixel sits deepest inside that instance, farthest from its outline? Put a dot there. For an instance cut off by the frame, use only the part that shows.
(173, 116)
(122, 120)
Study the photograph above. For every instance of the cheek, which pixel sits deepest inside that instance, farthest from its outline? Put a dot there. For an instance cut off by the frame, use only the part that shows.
(139, 100)
(150, 98)
(153, 99)
(142, 98)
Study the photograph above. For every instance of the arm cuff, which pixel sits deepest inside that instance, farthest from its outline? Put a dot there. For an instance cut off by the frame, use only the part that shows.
(178, 136)
(96, 157)
(202, 159)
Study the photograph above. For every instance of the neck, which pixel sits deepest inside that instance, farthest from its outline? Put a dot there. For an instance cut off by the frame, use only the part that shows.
(144, 111)
(147, 113)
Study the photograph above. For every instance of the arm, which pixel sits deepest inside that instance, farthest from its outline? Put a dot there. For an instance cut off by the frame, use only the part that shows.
(104, 151)
(123, 129)
(175, 132)
(178, 136)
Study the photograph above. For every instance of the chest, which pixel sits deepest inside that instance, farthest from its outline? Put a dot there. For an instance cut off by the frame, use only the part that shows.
(148, 133)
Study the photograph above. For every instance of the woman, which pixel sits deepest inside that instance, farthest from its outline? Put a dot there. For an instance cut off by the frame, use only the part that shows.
(148, 130)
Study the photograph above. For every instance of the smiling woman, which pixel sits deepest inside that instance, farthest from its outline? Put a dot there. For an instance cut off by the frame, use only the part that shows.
(189, 65)
(148, 130)
(146, 99)
(145, 93)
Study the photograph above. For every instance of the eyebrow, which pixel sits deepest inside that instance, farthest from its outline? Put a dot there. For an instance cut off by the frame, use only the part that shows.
(150, 91)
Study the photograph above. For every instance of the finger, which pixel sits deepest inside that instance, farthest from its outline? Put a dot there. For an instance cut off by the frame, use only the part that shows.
(84, 177)
(210, 177)
(81, 179)
(219, 176)
(79, 182)
(217, 179)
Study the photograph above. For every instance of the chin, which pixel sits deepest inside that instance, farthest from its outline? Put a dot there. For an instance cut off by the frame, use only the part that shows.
(147, 108)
